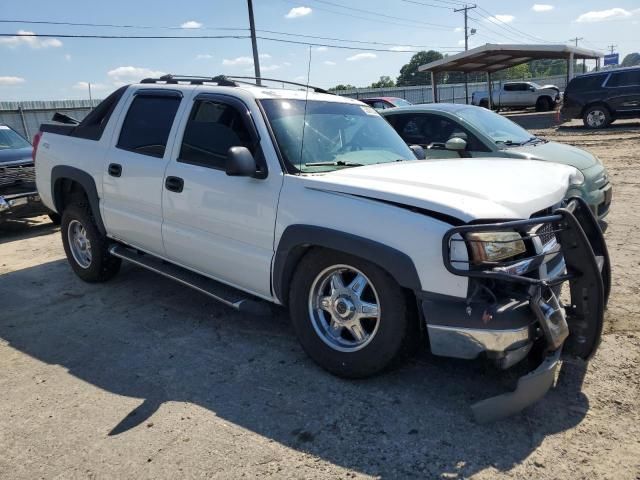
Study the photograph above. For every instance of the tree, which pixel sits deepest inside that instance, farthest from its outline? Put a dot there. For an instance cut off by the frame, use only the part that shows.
(409, 74)
(343, 87)
(384, 82)
(631, 60)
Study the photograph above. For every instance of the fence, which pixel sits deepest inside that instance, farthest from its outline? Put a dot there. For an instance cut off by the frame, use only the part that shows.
(447, 93)
(26, 117)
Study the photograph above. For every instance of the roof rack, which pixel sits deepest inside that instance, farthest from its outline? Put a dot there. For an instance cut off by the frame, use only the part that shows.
(225, 81)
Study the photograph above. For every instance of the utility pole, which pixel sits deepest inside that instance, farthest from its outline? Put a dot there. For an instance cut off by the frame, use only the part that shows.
(612, 48)
(577, 39)
(89, 85)
(466, 9)
(254, 43)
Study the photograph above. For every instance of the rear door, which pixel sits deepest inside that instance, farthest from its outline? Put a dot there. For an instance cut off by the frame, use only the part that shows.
(134, 168)
(219, 225)
(623, 90)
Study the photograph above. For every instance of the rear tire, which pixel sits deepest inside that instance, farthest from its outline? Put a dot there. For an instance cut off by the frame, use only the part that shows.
(55, 218)
(350, 316)
(86, 248)
(596, 116)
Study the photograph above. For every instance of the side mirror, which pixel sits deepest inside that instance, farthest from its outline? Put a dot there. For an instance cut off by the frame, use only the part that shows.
(418, 151)
(532, 88)
(240, 163)
(456, 143)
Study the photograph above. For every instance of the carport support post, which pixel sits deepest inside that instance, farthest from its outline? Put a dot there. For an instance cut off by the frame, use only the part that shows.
(570, 68)
(490, 90)
(434, 87)
(24, 122)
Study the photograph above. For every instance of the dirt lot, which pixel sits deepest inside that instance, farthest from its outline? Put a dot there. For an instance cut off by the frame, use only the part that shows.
(143, 378)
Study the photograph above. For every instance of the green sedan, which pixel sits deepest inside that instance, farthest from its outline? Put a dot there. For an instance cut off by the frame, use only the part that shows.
(447, 130)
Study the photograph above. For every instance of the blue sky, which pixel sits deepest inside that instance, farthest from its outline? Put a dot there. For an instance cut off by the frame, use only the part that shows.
(41, 68)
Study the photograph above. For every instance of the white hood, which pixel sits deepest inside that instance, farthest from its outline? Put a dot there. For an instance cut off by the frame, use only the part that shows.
(467, 189)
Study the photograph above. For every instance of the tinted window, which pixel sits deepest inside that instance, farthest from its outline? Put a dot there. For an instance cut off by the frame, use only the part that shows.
(380, 105)
(586, 84)
(212, 129)
(516, 87)
(624, 79)
(95, 122)
(146, 128)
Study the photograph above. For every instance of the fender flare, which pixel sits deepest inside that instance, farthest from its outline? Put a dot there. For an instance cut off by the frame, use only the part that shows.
(296, 239)
(86, 181)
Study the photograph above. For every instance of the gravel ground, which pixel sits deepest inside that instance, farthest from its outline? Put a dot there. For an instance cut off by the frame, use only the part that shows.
(143, 378)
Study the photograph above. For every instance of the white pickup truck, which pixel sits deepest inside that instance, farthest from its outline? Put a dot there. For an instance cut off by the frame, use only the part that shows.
(256, 195)
(519, 95)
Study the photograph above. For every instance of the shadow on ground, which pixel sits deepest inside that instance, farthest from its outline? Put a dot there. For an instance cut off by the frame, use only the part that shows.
(143, 336)
(17, 229)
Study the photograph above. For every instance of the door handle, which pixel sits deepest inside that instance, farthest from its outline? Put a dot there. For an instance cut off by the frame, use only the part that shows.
(174, 184)
(115, 169)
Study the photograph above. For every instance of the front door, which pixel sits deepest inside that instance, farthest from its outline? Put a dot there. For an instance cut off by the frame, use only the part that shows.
(133, 171)
(218, 225)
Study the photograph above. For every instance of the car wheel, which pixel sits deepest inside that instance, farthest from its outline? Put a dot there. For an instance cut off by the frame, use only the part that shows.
(484, 104)
(350, 316)
(86, 248)
(597, 116)
(544, 104)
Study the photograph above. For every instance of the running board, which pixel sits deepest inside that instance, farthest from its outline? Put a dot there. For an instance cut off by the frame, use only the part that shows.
(230, 296)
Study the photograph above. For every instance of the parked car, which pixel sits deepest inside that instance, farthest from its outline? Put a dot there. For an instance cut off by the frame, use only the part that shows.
(381, 103)
(599, 98)
(311, 200)
(460, 131)
(519, 95)
(18, 194)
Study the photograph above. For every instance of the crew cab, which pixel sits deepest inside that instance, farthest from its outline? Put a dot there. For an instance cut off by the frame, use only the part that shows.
(519, 95)
(258, 195)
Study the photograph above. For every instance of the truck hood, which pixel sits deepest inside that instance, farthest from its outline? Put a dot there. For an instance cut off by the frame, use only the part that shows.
(12, 156)
(465, 189)
(555, 152)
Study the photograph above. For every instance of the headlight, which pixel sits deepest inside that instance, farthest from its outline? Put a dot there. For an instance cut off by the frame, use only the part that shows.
(494, 246)
(576, 179)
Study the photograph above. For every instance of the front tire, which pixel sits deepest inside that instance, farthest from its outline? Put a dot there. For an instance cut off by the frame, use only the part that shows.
(350, 316)
(86, 248)
(544, 104)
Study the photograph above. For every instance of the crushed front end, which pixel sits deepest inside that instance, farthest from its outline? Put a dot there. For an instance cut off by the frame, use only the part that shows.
(18, 193)
(516, 271)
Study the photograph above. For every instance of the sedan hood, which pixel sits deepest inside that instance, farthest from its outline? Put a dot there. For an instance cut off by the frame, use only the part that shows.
(15, 155)
(555, 152)
(466, 189)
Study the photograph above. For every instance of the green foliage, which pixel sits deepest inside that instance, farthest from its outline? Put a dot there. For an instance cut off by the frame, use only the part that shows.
(631, 60)
(384, 82)
(340, 86)
(409, 74)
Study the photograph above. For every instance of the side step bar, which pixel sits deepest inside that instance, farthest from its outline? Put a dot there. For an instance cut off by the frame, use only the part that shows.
(230, 296)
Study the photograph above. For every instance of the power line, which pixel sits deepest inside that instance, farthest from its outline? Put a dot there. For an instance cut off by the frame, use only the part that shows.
(111, 25)
(611, 48)
(193, 37)
(427, 4)
(577, 39)
(500, 23)
(407, 22)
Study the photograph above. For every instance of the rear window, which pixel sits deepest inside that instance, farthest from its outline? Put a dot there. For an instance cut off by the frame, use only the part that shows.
(624, 79)
(146, 128)
(586, 84)
(95, 122)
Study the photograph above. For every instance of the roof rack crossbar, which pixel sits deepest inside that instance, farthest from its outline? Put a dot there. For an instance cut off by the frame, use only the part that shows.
(287, 82)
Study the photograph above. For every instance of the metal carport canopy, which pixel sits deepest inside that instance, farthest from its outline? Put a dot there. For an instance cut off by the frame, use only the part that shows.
(491, 58)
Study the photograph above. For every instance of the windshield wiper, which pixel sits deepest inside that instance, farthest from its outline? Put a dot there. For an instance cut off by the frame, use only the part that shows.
(510, 143)
(336, 163)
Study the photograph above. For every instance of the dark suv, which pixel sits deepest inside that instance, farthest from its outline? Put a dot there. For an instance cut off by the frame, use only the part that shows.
(599, 98)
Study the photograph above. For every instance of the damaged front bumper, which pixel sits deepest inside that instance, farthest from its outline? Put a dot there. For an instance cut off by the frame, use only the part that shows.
(21, 205)
(566, 246)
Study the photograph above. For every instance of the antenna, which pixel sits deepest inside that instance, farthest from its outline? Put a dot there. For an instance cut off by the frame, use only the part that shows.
(306, 100)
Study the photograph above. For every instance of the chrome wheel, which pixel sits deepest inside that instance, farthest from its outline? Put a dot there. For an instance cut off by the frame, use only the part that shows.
(344, 308)
(79, 243)
(596, 118)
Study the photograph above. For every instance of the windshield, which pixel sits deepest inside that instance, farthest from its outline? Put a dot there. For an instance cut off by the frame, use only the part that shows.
(336, 135)
(400, 102)
(11, 140)
(500, 129)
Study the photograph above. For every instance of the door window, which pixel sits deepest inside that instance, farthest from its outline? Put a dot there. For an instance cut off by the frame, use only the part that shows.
(624, 79)
(146, 128)
(212, 129)
(380, 105)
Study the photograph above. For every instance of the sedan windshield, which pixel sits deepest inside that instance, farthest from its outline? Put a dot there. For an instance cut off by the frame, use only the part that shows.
(10, 140)
(400, 102)
(326, 136)
(500, 129)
